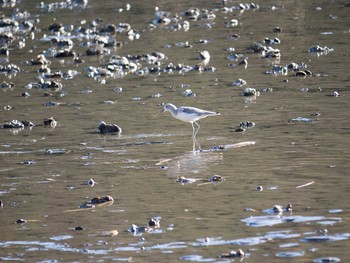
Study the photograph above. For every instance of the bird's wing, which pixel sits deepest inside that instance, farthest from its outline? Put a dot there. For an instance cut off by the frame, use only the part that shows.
(192, 110)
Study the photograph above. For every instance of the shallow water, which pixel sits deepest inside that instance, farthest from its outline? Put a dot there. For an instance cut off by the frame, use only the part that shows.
(302, 163)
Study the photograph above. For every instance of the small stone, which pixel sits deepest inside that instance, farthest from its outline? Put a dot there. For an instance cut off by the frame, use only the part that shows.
(154, 222)
(215, 178)
(277, 209)
(50, 122)
(103, 199)
(27, 123)
(232, 254)
(335, 94)
(104, 128)
(250, 92)
(277, 30)
(240, 129)
(21, 221)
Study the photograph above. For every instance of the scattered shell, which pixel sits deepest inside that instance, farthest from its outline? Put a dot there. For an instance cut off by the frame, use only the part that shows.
(239, 83)
(247, 124)
(57, 151)
(185, 180)
(232, 23)
(30, 162)
(14, 124)
(118, 89)
(278, 209)
(218, 148)
(90, 182)
(250, 92)
(249, 210)
(320, 49)
(136, 229)
(110, 233)
(7, 107)
(274, 41)
(188, 93)
(327, 260)
(4, 85)
(335, 94)
(278, 70)
(301, 119)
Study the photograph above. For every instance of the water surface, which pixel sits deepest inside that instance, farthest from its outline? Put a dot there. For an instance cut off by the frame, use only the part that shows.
(140, 167)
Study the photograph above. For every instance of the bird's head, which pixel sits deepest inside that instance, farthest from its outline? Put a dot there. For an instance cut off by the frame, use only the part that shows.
(168, 107)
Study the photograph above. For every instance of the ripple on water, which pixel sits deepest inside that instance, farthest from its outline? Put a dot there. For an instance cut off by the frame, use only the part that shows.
(260, 221)
(11, 259)
(327, 222)
(280, 235)
(217, 241)
(47, 246)
(289, 245)
(172, 245)
(59, 238)
(129, 248)
(335, 211)
(289, 254)
(197, 258)
(2, 192)
(326, 260)
(328, 238)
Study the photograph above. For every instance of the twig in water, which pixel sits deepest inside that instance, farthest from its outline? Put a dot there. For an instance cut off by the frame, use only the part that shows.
(307, 184)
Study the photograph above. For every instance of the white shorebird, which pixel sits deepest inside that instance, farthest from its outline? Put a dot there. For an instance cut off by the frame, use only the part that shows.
(189, 114)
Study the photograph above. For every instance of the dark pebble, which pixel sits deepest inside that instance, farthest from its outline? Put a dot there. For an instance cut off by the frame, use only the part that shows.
(103, 199)
(108, 128)
(155, 222)
(259, 188)
(27, 123)
(240, 129)
(50, 122)
(21, 221)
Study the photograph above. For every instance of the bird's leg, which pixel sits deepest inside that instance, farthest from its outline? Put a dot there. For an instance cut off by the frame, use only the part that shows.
(193, 138)
(195, 135)
(197, 129)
